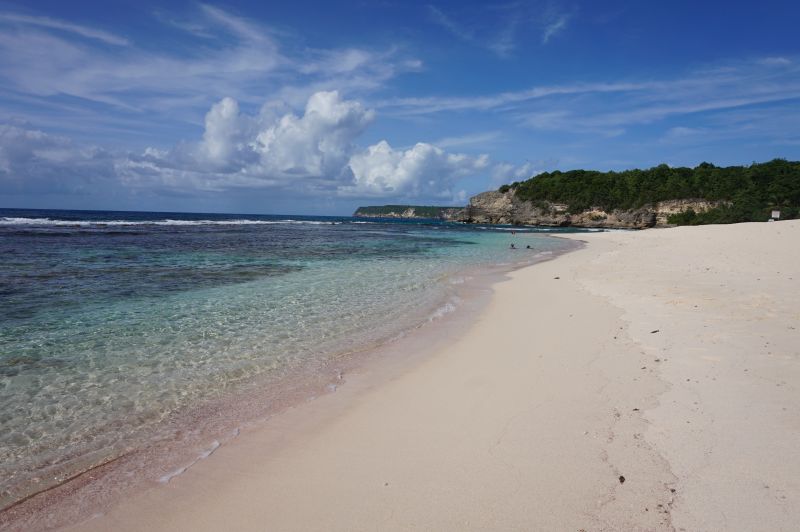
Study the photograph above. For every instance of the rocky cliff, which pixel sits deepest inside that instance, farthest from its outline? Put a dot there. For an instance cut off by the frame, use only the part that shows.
(506, 208)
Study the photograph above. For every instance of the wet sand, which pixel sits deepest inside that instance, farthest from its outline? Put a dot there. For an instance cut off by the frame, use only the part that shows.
(649, 380)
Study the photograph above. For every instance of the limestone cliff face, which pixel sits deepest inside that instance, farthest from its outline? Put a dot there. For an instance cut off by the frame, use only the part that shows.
(505, 208)
(667, 208)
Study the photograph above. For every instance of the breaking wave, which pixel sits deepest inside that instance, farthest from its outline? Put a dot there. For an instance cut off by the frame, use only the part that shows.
(103, 223)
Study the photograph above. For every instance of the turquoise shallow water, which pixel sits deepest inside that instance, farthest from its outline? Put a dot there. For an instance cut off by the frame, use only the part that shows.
(114, 323)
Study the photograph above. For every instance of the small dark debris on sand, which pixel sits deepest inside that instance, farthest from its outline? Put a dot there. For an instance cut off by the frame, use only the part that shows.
(556, 277)
(621, 479)
(653, 332)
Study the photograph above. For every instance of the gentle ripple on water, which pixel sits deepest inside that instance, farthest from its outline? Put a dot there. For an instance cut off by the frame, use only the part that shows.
(113, 322)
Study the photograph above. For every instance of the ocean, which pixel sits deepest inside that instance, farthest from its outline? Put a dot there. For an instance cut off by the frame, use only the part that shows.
(124, 331)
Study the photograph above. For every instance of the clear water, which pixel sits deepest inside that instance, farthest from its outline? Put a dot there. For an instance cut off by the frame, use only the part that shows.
(113, 322)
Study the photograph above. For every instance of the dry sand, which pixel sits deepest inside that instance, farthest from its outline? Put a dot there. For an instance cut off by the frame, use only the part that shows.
(668, 357)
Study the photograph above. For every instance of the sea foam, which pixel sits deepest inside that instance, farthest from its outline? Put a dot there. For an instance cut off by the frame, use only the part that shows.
(165, 222)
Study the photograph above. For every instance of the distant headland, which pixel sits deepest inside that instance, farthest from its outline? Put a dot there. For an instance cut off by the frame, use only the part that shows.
(409, 211)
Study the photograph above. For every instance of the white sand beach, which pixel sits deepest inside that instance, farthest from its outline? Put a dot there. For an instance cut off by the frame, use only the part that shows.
(648, 381)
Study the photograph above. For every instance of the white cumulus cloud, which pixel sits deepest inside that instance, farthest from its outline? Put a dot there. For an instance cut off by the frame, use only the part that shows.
(313, 151)
(271, 149)
(423, 170)
(316, 144)
(225, 130)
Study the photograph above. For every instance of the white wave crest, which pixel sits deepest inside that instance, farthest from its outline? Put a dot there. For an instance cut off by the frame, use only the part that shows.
(445, 309)
(202, 456)
(169, 222)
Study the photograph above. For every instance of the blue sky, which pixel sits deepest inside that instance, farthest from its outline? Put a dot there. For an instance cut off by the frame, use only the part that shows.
(317, 107)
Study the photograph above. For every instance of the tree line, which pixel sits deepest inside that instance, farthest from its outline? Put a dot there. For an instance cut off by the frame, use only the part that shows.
(750, 192)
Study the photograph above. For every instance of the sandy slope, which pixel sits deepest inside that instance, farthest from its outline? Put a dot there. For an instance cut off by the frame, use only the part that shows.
(726, 302)
(529, 420)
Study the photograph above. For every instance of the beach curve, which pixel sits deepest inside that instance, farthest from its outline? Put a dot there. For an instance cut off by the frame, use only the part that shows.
(647, 381)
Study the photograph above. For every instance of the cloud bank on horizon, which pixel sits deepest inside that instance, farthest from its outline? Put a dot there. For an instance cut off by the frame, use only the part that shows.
(213, 109)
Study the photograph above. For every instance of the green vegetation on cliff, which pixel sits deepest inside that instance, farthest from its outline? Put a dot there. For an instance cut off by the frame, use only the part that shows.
(752, 191)
(390, 211)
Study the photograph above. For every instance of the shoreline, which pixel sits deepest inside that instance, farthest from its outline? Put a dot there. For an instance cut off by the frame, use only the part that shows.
(648, 380)
(224, 419)
(308, 421)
